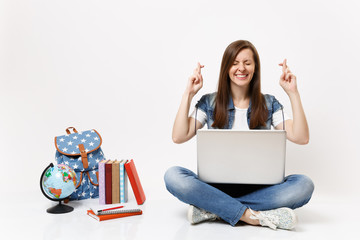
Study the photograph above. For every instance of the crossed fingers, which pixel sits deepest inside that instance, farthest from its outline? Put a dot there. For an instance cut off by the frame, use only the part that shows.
(197, 72)
(198, 68)
(287, 74)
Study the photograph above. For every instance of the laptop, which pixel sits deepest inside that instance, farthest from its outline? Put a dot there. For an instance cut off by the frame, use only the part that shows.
(241, 157)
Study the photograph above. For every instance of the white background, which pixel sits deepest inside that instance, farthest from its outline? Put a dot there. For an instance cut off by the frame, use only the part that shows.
(120, 67)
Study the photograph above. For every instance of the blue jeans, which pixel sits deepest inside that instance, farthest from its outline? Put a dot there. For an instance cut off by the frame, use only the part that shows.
(229, 201)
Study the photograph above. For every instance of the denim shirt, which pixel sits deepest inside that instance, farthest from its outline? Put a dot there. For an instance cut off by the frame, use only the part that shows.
(207, 105)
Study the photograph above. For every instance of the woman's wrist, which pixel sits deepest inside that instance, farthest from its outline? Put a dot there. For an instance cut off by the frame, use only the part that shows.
(294, 95)
(189, 95)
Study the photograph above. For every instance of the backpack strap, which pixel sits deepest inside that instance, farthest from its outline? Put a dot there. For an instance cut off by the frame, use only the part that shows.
(81, 176)
(92, 181)
(83, 154)
(69, 128)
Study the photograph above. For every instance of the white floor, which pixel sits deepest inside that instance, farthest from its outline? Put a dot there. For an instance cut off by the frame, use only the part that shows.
(165, 218)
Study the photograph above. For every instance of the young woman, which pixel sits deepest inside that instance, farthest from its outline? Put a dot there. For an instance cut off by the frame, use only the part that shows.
(239, 104)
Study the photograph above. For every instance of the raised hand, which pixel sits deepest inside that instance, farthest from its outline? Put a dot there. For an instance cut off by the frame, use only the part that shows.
(297, 129)
(195, 81)
(287, 79)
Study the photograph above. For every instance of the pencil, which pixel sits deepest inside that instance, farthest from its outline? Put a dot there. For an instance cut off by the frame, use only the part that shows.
(107, 209)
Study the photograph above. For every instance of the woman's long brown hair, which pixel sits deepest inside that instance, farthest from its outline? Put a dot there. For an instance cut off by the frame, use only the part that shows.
(258, 115)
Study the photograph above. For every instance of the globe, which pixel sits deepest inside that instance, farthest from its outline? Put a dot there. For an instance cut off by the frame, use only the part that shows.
(58, 182)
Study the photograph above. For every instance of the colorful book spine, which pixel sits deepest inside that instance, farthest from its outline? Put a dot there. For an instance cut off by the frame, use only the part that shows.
(123, 182)
(102, 182)
(135, 182)
(115, 182)
(108, 182)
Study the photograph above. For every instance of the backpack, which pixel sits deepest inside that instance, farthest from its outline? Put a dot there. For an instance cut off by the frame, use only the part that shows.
(81, 151)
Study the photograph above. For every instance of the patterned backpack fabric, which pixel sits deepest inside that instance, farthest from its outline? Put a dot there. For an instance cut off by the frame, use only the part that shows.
(82, 152)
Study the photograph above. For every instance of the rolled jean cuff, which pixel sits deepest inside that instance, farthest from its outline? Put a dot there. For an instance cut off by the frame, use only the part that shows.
(238, 216)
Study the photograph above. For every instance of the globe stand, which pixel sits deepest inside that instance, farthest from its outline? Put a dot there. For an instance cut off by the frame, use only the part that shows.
(60, 208)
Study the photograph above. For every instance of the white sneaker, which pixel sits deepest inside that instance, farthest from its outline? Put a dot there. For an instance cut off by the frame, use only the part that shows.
(283, 218)
(198, 215)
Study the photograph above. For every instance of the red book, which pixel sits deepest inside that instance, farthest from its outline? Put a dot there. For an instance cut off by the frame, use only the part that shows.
(135, 182)
(108, 182)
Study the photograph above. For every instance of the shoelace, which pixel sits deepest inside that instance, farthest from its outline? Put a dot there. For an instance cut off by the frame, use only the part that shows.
(266, 220)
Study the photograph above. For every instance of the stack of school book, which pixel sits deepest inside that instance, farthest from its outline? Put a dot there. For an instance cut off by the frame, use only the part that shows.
(113, 182)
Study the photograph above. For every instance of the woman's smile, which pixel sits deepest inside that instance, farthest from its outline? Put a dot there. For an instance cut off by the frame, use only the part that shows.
(241, 76)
